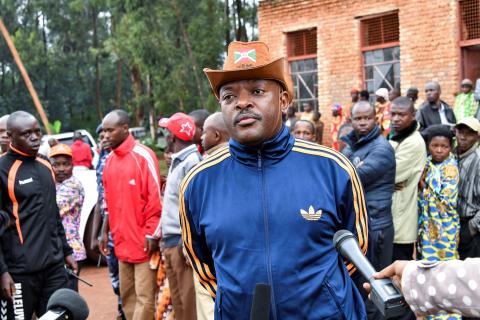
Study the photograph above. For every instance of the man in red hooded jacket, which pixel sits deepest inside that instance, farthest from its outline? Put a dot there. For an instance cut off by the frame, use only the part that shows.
(131, 180)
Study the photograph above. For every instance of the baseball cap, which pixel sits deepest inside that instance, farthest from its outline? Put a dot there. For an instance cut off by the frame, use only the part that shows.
(470, 122)
(60, 149)
(180, 125)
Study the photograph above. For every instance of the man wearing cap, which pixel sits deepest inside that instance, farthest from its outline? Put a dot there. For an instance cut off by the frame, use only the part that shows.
(131, 182)
(434, 110)
(70, 196)
(33, 250)
(465, 104)
(181, 129)
(265, 208)
(468, 204)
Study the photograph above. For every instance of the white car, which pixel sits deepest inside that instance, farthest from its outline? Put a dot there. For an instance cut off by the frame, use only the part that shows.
(88, 179)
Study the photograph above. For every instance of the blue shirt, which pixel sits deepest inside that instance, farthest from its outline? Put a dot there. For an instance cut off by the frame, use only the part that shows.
(268, 214)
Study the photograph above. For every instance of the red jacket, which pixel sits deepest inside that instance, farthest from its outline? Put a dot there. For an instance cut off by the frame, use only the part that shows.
(81, 154)
(131, 179)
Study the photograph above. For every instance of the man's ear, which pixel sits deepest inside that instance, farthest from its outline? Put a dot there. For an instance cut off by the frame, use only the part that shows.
(284, 98)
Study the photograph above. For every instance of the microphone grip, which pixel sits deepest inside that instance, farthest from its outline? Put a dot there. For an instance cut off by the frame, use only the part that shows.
(348, 247)
(261, 302)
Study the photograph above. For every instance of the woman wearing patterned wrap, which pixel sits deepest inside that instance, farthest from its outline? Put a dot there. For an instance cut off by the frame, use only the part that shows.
(439, 223)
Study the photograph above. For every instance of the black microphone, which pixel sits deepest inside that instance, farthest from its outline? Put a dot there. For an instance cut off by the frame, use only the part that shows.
(384, 294)
(66, 304)
(261, 302)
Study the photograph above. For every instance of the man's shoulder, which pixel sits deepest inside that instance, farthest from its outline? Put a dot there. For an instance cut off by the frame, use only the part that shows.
(322, 155)
(144, 152)
(207, 165)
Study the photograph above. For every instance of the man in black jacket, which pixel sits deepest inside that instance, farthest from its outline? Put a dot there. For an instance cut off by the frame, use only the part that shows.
(33, 250)
(434, 110)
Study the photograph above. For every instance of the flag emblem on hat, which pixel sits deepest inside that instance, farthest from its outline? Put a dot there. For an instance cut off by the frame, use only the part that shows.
(245, 56)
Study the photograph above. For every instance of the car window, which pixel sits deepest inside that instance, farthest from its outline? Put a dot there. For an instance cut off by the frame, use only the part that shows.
(69, 140)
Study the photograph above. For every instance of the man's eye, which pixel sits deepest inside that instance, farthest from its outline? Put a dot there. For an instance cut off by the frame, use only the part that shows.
(227, 97)
(258, 91)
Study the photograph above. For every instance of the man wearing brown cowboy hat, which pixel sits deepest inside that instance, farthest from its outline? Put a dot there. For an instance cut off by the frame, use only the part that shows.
(265, 208)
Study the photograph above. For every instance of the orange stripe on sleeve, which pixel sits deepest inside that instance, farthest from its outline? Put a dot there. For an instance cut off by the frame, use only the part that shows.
(12, 174)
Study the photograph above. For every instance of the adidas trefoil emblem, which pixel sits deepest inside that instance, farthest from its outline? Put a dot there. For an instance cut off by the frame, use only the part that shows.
(311, 215)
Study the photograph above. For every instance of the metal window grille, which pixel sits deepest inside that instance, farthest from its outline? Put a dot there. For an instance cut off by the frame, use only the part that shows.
(380, 30)
(302, 43)
(470, 19)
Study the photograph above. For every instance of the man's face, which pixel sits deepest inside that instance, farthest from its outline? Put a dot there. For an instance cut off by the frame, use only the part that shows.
(62, 167)
(466, 88)
(209, 138)
(303, 130)
(412, 95)
(197, 137)
(114, 132)
(439, 148)
(432, 92)
(354, 96)
(4, 139)
(252, 109)
(402, 117)
(466, 138)
(101, 138)
(307, 107)
(25, 136)
(363, 119)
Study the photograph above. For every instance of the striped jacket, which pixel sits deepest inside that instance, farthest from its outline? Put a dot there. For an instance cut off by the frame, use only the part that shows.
(131, 180)
(36, 240)
(268, 215)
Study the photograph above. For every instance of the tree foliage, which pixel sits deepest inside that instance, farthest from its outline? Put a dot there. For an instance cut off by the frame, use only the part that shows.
(86, 57)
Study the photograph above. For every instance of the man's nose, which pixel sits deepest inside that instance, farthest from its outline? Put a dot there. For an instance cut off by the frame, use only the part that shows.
(243, 100)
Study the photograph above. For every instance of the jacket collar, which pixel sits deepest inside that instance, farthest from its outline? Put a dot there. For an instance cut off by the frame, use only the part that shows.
(354, 142)
(19, 154)
(184, 153)
(125, 147)
(400, 136)
(269, 152)
(213, 149)
(469, 151)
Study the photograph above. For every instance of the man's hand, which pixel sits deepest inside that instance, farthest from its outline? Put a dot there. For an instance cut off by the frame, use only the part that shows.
(103, 245)
(71, 263)
(399, 186)
(8, 287)
(394, 271)
(150, 246)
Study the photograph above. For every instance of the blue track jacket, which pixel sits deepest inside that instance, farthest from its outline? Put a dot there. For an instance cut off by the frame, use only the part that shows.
(268, 214)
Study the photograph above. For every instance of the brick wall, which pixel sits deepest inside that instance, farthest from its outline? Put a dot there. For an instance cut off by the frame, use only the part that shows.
(428, 42)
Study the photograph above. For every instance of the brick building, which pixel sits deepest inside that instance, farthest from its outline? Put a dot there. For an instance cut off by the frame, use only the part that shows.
(334, 45)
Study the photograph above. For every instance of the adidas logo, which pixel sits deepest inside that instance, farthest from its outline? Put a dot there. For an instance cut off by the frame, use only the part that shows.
(132, 182)
(311, 215)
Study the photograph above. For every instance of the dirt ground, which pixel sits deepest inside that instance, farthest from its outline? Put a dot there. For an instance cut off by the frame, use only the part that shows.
(100, 298)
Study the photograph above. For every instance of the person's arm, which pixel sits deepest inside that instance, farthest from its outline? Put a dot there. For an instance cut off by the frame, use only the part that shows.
(153, 207)
(195, 244)
(103, 242)
(474, 223)
(420, 119)
(96, 226)
(428, 288)
(67, 250)
(448, 191)
(354, 216)
(7, 286)
(378, 162)
(409, 158)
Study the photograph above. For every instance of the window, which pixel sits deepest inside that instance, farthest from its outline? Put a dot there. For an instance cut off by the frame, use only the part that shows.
(470, 38)
(302, 57)
(381, 52)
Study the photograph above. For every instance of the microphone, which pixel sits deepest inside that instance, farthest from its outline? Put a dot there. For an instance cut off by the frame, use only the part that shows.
(384, 294)
(66, 304)
(261, 302)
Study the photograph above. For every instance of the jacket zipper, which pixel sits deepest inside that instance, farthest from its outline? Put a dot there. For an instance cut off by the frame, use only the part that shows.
(267, 236)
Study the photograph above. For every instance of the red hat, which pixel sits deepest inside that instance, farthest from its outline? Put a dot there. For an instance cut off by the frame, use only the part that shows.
(180, 125)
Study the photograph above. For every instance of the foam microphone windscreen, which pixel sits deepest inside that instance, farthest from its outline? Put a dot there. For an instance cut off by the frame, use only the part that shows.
(71, 301)
(261, 302)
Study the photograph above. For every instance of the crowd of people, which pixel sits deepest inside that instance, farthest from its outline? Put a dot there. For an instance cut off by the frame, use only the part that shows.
(251, 196)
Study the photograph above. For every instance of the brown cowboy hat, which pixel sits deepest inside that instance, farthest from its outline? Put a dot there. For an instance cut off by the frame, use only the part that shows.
(250, 60)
